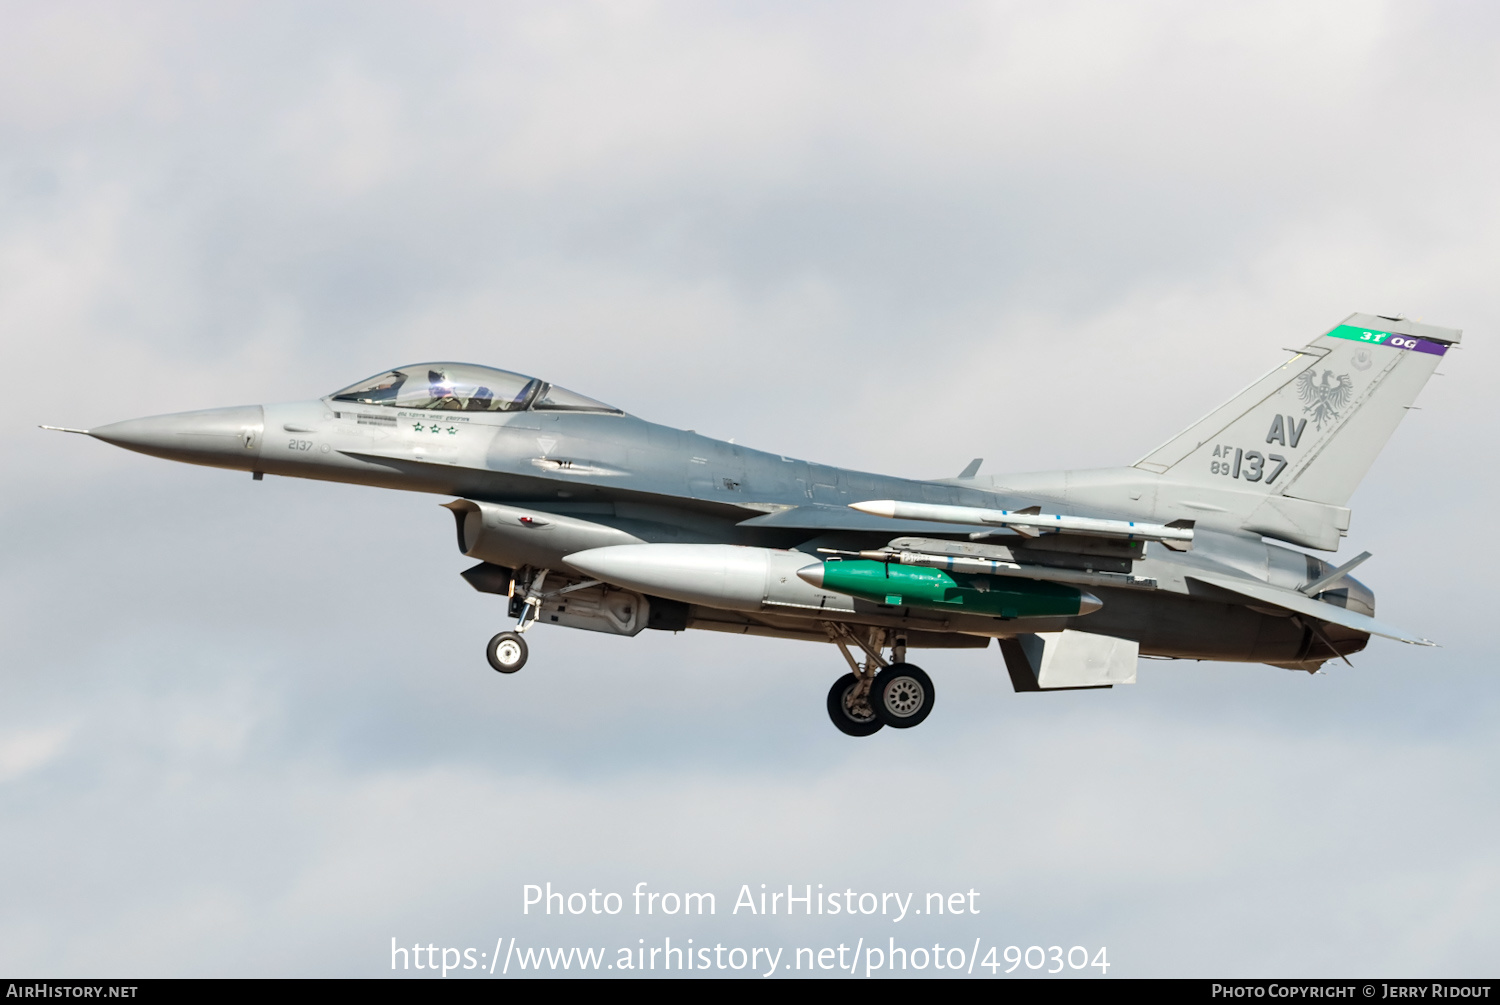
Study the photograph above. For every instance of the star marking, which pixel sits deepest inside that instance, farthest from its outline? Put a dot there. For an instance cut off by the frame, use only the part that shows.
(452, 431)
(418, 427)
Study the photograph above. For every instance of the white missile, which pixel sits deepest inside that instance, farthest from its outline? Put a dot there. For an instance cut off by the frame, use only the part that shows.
(1177, 535)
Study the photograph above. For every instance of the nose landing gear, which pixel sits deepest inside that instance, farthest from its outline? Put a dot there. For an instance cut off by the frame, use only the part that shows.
(507, 651)
(898, 695)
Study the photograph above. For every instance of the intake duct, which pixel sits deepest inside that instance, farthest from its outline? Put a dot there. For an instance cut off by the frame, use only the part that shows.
(512, 537)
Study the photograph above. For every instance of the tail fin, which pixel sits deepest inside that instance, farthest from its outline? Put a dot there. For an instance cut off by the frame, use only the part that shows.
(1304, 435)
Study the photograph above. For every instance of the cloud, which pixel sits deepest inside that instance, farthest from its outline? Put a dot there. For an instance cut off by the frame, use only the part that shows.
(27, 750)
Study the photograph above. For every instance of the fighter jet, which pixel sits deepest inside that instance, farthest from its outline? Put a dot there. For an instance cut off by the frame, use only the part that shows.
(583, 516)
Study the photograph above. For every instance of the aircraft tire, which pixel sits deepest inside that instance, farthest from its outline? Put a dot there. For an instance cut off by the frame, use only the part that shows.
(506, 652)
(840, 714)
(902, 695)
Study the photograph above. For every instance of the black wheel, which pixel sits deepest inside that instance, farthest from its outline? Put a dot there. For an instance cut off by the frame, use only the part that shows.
(838, 709)
(506, 652)
(902, 695)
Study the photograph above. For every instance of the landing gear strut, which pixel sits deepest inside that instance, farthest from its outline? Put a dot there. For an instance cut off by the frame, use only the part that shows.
(897, 694)
(507, 651)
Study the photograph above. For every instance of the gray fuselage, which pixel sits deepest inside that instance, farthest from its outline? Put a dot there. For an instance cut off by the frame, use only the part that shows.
(657, 484)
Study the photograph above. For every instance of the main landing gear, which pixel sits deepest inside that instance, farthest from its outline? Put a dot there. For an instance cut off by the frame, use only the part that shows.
(898, 694)
(506, 652)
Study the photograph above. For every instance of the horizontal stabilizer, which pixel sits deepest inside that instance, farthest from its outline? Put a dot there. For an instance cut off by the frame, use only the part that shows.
(1299, 604)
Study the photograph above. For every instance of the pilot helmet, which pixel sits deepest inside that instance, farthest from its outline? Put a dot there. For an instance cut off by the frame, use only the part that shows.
(440, 381)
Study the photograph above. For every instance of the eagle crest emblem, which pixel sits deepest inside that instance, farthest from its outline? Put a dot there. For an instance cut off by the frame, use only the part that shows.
(1324, 397)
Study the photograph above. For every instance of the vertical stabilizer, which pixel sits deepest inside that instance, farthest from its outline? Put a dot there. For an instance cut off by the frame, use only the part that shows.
(1298, 441)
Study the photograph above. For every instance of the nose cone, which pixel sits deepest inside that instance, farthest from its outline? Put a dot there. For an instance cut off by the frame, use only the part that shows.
(1088, 603)
(221, 437)
(812, 575)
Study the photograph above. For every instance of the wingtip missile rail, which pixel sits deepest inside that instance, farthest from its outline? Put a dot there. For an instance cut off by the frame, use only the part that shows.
(1177, 535)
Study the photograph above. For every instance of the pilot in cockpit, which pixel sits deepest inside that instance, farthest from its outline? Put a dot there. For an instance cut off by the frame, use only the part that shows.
(441, 389)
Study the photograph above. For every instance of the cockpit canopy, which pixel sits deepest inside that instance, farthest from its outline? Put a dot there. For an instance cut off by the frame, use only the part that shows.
(466, 388)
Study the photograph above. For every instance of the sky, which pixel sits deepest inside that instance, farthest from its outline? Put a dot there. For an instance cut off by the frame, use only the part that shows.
(248, 728)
